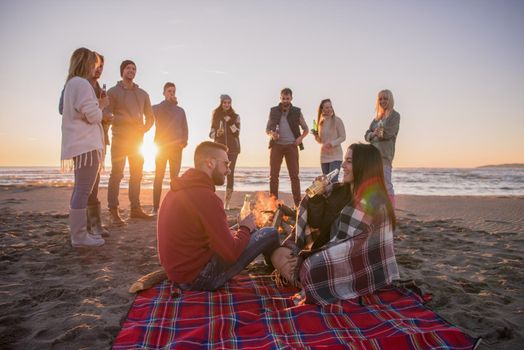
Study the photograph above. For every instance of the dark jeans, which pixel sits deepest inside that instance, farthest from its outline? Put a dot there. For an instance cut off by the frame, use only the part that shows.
(329, 167)
(93, 197)
(120, 150)
(172, 154)
(88, 171)
(290, 153)
(231, 177)
(217, 272)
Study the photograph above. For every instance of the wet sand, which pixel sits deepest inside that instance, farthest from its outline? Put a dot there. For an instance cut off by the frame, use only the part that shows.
(466, 251)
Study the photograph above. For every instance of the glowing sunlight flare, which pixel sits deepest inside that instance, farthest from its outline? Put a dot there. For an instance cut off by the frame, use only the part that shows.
(149, 151)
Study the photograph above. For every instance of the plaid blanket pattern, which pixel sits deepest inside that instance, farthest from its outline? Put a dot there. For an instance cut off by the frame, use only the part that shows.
(303, 233)
(358, 260)
(251, 313)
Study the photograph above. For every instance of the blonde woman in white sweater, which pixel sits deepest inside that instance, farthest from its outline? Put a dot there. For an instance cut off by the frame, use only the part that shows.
(330, 135)
(82, 140)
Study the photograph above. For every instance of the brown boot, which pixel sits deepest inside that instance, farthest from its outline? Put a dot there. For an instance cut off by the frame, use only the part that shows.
(227, 198)
(115, 217)
(138, 213)
(94, 222)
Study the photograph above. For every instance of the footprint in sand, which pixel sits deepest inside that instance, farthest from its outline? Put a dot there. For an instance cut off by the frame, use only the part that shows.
(498, 222)
(12, 201)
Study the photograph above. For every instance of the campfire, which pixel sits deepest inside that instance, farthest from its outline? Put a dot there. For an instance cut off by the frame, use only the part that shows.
(271, 212)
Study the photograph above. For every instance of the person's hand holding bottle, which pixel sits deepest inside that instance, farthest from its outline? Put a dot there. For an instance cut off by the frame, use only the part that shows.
(248, 221)
(220, 130)
(275, 134)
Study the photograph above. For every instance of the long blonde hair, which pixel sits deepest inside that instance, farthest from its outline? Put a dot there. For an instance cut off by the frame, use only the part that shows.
(82, 64)
(381, 112)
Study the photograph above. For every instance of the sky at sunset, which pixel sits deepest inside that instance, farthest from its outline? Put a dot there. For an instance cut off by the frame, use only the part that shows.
(456, 69)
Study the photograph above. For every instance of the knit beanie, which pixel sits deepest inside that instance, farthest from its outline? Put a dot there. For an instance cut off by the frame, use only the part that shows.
(224, 97)
(124, 64)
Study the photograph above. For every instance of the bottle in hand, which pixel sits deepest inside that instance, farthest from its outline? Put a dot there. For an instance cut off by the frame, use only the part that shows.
(314, 130)
(246, 208)
(319, 185)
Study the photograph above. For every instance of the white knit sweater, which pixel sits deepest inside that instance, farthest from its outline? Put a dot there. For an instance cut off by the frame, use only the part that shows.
(82, 130)
(332, 132)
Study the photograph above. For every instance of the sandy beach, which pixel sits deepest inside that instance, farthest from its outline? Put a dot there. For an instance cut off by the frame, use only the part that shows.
(466, 251)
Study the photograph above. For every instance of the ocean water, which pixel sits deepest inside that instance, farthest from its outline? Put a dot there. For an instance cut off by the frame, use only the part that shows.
(417, 181)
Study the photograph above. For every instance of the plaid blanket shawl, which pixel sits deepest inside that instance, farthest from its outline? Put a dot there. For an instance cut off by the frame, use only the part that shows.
(251, 313)
(358, 260)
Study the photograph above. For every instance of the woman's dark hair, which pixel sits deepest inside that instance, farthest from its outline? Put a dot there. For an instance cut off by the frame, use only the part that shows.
(369, 171)
(219, 109)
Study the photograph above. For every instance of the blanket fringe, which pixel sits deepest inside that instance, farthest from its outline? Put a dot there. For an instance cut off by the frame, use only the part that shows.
(282, 282)
(82, 160)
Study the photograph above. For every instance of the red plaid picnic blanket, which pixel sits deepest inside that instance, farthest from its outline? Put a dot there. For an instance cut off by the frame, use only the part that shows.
(251, 313)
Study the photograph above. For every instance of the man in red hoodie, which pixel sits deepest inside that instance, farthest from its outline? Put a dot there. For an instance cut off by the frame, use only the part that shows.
(195, 245)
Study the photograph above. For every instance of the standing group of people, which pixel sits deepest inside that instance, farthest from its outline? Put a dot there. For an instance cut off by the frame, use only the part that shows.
(287, 129)
(88, 111)
(195, 245)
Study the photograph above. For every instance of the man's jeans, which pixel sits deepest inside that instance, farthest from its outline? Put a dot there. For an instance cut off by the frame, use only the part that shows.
(217, 272)
(120, 150)
(172, 154)
(231, 176)
(290, 153)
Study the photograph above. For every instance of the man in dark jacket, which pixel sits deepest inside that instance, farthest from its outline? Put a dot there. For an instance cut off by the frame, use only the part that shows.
(196, 248)
(170, 139)
(129, 104)
(283, 126)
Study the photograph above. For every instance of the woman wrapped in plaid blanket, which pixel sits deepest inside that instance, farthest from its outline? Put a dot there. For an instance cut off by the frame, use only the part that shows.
(358, 257)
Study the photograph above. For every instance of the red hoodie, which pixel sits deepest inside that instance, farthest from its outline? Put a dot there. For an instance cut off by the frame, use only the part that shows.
(192, 226)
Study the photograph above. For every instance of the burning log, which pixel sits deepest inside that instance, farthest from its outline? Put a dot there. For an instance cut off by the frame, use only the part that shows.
(287, 210)
(270, 212)
(289, 220)
(277, 219)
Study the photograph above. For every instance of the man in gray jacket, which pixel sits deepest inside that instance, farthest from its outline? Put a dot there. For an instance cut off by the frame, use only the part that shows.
(129, 104)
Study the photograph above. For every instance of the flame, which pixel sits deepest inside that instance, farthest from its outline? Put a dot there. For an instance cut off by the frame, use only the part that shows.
(265, 207)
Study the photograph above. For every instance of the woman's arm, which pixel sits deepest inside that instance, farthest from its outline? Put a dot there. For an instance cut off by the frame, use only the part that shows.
(214, 126)
(85, 101)
(235, 127)
(391, 126)
(369, 135)
(341, 133)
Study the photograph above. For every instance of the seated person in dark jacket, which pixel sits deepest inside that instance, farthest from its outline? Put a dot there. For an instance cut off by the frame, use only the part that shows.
(324, 208)
(352, 255)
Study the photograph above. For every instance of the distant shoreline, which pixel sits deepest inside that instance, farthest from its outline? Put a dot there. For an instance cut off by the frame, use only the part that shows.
(509, 165)
(506, 165)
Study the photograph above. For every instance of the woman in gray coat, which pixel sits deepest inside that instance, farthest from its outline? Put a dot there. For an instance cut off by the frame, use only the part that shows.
(382, 133)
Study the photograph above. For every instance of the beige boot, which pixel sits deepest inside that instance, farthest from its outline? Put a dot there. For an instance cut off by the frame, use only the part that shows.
(227, 198)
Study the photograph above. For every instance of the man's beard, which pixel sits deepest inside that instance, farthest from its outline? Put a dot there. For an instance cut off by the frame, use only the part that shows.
(218, 178)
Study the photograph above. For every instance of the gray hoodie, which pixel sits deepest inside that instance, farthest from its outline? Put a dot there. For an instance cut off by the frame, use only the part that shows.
(129, 105)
